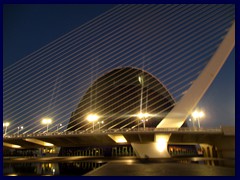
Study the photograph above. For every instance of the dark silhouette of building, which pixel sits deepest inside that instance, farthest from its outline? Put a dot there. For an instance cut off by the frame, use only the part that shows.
(118, 96)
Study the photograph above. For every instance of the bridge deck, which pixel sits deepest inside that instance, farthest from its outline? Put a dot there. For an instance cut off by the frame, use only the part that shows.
(97, 137)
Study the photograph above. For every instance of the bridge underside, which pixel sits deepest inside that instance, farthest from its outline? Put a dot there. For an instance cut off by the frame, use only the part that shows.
(223, 140)
(105, 140)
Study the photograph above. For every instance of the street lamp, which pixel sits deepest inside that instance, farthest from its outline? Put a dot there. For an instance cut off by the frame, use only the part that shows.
(197, 115)
(92, 118)
(6, 124)
(191, 120)
(60, 125)
(20, 128)
(143, 117)
(100, 123)
(47, 121)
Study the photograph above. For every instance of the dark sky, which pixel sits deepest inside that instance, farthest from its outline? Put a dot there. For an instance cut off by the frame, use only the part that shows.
(27, 28)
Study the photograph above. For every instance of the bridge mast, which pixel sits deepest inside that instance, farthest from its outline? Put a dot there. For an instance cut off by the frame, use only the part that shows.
(176, 117)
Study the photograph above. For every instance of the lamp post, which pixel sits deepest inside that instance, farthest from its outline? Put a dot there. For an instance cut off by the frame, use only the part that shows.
(191, 120)
(140, 115)
(20, 128)
(46, 121)
(6, 124)
(100, 123)
(197, 115)
(92, 118)
(60, 125)
(143, 117)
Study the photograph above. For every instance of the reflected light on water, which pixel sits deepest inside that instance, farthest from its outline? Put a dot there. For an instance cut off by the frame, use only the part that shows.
(50, 169)
(129, 162)
(11, 175)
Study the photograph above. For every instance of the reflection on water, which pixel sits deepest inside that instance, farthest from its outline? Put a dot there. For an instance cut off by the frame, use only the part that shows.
(49, 169)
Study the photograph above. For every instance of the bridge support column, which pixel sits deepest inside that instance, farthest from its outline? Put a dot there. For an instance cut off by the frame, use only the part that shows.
(156, 149)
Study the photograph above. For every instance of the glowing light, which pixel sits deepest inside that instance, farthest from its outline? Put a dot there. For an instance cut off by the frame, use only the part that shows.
(36, 141)
(12, 175)
(201, 114)
(161, 142)
(118, 138)
(140, 79)
(197, 114)
(121, 140)
(92, 117)
(6, 124)
(46, 121)
(48, 144)
(15, 146)
(129, 162)
(143, 115)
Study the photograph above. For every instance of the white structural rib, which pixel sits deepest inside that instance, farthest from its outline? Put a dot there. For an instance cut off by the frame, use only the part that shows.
(187, 103)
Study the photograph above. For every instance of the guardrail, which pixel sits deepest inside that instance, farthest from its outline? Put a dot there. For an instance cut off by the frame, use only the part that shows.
(125, 130)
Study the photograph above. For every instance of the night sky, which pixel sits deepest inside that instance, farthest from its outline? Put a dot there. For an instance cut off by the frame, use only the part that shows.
(27, 28)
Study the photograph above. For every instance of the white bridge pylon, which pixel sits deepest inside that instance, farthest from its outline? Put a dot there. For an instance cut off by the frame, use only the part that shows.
(177, 116)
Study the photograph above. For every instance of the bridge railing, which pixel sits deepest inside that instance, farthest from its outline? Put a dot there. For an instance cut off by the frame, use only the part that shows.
(125, 130)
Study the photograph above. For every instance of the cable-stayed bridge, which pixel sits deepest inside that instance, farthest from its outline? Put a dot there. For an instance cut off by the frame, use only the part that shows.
(130, 61)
